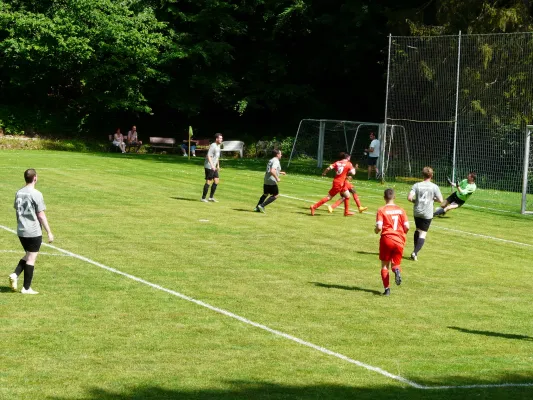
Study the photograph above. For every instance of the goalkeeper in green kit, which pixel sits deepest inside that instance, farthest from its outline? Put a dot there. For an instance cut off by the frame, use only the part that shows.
(465, 188)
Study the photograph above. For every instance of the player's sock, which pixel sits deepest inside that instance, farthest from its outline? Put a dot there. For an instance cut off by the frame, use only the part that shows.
(356, 198)
(213, 190)
(20, 267)
(416, 236)
(337, 203)
(324, 200)
(385, 277)
(346, 205)
(263, 198)
(418, 245)
(269, 200)
(206, 189)
(28, 275)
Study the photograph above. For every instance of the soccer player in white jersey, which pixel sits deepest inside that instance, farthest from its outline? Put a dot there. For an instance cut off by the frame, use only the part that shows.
(29, 206)
(270, 184)
(211, 167)
(423, 194)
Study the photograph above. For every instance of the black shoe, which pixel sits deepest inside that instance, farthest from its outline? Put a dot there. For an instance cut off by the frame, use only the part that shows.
(386, 292)
(397, 276)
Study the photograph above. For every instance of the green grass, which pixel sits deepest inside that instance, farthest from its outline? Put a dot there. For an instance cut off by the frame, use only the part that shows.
(461, 317)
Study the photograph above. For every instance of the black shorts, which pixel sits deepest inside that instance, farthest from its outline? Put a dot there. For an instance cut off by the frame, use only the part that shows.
(210, 174)
(31, 244)
(422, 223)
(454, 199)
(372, 161)
(272, 190)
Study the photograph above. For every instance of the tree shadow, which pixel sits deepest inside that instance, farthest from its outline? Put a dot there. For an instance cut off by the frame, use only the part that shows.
(343, 287)
(493, 334)
(274, 391)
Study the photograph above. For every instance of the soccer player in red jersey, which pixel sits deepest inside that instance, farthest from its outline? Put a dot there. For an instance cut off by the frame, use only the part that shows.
(392, 223)
(342, 168)
(350, 188)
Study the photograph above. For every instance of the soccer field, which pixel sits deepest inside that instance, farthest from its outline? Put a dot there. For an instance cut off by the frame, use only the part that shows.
(148, 293)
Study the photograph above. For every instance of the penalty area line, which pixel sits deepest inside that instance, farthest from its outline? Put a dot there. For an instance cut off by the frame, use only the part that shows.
(274, 331)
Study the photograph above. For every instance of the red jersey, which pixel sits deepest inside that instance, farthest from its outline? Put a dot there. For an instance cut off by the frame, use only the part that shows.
(341, 167)
(393, 222)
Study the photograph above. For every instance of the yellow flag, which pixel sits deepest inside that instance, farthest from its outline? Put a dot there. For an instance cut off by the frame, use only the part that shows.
(190, 131)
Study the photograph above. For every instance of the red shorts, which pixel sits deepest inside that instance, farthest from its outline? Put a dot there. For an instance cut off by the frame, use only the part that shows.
(336, 188)
(390, 250)
(347, 186)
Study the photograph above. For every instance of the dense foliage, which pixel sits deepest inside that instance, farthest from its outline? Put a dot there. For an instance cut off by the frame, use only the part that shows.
(245, 67)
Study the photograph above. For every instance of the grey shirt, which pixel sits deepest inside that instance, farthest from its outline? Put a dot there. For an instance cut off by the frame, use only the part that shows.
(28, 203)
(214, 152)
(425, 193)
(273, 163)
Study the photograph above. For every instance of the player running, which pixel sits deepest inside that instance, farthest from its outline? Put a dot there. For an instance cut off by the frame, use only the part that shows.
(350, 188)
(465, 188)
(423, 194)
(342, 168)
(392, 223)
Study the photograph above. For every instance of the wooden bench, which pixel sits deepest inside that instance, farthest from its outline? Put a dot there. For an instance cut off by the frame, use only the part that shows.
(233, 145)
(163, 143)
(202, 145)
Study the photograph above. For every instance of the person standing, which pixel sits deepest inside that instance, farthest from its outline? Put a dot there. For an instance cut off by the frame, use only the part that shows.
(211, 167)
(392, 223)
(423, 194)
(342, 168)
(29, 206)
(373, 155)
(270, 185)
(465, 189)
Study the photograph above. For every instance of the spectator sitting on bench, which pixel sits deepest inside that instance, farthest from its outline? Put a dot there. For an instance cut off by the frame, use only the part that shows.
(185, 146)
(133, 139)
(118, 140)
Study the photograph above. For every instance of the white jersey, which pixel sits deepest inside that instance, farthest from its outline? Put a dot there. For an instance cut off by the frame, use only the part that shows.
(28, 203)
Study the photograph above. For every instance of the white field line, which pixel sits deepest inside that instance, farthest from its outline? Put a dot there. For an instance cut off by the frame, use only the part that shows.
(274, 331)
(40, 253)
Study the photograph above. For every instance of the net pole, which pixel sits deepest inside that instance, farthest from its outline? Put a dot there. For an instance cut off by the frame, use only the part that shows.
(456, 108)
(294, 144)
(529, 128)
(321, 134)
(384, 138)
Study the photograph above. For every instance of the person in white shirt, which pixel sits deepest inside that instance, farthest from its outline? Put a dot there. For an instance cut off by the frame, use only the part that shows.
(373, 155)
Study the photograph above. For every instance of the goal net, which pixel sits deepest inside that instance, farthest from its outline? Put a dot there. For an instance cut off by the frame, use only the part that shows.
(319, 141)
(527, 183)
(463, 102)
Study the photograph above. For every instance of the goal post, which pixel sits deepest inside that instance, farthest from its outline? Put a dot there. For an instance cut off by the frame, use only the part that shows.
(526, 187)
(319, 141)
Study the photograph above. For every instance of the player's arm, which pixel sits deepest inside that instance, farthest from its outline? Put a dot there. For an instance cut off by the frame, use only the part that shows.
(44, 222)
(405, 222)
(327, 170)
(378, 227)
(411, 196)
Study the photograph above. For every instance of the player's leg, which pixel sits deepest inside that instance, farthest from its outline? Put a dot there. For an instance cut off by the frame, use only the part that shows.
(443, 205)
(346, 198)
(332, 192)
(214, 187)
(273, 191)
(357, 201)
(384, 256)
(422, 227)
(13, 278)
(337, 203)
(397, 254)
(32, 246)
(206, 189)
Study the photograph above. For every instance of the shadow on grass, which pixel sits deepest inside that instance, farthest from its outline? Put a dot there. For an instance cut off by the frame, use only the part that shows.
(185, 199)
(5, 289)
(372, 253)
(493, 334)
(274, 391)
(342, 287)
